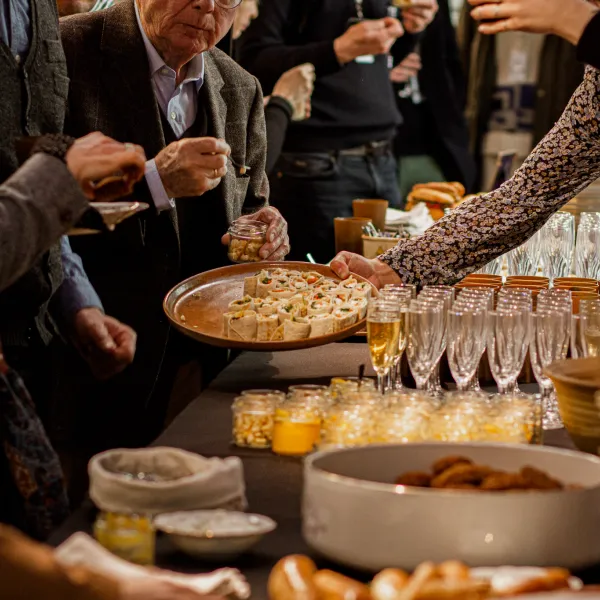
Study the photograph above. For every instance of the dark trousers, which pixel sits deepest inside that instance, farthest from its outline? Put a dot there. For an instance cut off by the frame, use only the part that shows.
(312, 189)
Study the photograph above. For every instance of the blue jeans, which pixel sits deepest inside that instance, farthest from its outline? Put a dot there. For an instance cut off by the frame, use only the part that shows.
(311, 189)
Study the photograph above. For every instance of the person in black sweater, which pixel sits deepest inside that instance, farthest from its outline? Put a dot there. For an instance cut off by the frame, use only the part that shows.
(344, 150)
(577, 21)
(433, 142)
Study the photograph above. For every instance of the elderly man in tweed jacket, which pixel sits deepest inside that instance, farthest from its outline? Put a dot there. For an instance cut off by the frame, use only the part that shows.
(150, 73)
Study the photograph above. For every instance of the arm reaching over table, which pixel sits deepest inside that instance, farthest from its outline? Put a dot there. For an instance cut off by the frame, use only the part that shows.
(577, 21)
(565, 162)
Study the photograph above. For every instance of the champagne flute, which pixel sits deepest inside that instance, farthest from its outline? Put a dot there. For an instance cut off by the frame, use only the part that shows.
(425, 339)
(507, 343)
(466, 342)
(383, 332)
(550, 333)
(402, 296)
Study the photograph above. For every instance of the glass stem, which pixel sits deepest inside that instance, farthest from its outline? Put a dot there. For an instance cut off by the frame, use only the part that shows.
(381, 377)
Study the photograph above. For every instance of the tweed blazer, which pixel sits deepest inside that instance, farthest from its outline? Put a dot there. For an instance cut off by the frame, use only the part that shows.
(132, 268)
(38, 204)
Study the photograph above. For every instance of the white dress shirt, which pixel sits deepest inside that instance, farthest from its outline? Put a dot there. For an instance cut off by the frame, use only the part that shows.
(179, 104)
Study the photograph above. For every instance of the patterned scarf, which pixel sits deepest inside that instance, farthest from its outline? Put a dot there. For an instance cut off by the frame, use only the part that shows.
(33, 464)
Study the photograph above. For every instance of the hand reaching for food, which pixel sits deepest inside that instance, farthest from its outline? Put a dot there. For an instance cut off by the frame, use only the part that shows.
(373, 270)
(566, 18)
(296, 86)
(105, 169)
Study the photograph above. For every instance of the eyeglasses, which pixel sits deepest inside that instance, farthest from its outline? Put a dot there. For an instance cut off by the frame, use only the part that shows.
(228, 4)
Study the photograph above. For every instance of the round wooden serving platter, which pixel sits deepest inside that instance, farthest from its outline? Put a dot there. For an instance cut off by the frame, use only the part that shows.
(204, 299)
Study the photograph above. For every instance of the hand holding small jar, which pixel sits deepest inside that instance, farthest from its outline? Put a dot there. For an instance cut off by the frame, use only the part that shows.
(260, 236)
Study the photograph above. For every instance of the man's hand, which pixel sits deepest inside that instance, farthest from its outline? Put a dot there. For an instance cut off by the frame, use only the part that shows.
(375, 271)
(566, 18)
(416, 18)
(278, 242)
(408, 68)
(368, 37)
(192, 167)
(95, 157)
(296, 86)
(107, 345)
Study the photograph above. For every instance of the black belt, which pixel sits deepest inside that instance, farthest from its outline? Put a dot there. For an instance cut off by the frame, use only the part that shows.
(370, 149)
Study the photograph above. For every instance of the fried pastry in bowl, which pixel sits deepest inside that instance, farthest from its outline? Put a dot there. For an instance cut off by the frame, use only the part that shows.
(483, 504)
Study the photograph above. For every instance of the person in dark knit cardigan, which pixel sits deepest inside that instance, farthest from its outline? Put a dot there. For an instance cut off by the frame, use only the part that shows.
(577, 21)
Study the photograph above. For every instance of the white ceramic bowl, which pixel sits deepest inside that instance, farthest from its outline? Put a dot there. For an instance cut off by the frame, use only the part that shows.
(354, 513)
(214, 534)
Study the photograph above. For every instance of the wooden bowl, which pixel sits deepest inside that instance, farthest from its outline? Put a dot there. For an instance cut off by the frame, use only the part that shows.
(576, 281)
(576, 383)
(207, 296)
(482, 277)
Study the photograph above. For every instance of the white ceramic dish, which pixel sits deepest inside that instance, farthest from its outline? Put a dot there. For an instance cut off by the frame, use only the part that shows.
(353, 512)
(214, 534)
(112, 214)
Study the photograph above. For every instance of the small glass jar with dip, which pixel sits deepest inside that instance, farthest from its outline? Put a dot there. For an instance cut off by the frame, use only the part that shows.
(129, 536)
(297, 428)
(247, 238)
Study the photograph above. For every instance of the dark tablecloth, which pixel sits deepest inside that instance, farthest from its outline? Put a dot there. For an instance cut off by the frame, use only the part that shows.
(274, 484)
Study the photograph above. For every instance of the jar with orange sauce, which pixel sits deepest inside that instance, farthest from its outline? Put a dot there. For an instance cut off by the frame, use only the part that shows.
(297, 427)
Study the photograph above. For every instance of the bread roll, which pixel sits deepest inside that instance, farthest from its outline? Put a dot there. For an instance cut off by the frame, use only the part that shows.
(387, 584)
(333, 586)
(292, 579)
(435, 196)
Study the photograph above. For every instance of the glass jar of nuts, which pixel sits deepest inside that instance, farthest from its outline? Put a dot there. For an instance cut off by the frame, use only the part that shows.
(247, 238)
(253, 418)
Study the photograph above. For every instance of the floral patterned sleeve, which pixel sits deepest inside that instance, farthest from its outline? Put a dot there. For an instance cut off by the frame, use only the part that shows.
(565, 162)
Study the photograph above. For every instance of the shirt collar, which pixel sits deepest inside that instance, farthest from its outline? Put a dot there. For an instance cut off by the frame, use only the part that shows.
(195, 70)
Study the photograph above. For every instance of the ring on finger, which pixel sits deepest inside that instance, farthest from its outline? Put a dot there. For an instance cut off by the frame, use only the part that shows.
(216, 174)
(129, 146)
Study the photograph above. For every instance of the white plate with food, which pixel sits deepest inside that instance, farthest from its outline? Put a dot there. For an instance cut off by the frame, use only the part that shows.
(214, 534)
(269, 306)
(111, 213)
(517, 505)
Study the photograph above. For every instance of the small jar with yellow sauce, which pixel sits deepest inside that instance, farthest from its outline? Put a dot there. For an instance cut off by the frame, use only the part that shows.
(128, 536)
(297, 428)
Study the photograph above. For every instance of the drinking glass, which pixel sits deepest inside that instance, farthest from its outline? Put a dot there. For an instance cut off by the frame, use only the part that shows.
(578, 346)
(466, 343)
(550, 333)
(402, 296)
(494, 267)
(383, 331)
(557, 239)
(444, 294)
(525, 259)
(590, 333)
(587, 247)
(402, 287)
(425, 339)
(507, 343)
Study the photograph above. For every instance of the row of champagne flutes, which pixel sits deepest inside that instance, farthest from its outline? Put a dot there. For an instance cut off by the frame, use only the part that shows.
(472, 323)
(553, 249)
